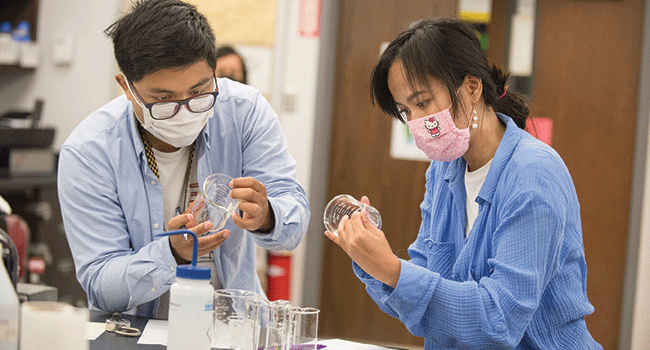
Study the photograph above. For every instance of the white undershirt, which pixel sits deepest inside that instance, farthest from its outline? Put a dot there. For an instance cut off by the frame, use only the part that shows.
(473, 182)
(172, 167)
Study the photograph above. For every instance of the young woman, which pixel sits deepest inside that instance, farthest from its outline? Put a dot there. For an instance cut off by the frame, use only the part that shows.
(499, 261)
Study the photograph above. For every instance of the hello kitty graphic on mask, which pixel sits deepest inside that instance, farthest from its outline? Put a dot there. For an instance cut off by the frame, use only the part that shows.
(438, 136)
(432, 125)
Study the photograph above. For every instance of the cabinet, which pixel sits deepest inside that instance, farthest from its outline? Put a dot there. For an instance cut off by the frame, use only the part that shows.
(15, 11)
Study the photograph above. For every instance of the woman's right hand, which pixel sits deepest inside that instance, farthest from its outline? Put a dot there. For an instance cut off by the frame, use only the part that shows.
(367, 246)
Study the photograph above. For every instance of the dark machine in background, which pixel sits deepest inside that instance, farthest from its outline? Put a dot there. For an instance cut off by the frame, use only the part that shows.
(28, 184)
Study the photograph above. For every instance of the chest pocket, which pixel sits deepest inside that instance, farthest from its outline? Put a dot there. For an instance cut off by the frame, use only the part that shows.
(440, 257)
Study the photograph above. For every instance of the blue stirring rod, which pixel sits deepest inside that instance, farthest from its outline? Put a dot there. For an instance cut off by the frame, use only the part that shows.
(184, 231)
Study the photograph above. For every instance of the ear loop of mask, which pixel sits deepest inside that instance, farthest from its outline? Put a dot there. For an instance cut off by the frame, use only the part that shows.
(137, 100)
(473, 116)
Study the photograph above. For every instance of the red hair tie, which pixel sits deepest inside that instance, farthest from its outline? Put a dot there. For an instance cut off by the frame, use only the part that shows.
(505, 89)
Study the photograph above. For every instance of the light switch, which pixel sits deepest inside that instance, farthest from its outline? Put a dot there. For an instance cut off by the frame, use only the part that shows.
(289, 100)
(63, 49)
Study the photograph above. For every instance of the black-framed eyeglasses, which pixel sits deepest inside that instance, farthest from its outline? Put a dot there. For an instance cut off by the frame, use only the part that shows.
(167, 109)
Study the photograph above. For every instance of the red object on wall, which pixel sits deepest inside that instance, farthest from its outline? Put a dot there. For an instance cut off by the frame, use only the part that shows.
(278, 276)
(309, 18)
(540, 128)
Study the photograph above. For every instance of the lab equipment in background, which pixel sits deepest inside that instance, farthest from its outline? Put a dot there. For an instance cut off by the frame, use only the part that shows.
(17, 229)
(36, 292)
(28, 183)
(28, 53)
(21, 33)
(10, 258)
(53, 326)
(9, 307)
(25, 149)
(214, 204)
(344, 204)
(8, 47)
(236, 319)
(190, 304)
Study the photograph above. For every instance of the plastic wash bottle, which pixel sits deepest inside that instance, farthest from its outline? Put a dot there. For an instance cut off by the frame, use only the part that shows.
(191, 302)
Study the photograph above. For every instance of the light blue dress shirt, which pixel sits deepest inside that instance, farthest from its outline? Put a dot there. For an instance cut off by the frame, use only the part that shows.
(518, 280)
(112, 203)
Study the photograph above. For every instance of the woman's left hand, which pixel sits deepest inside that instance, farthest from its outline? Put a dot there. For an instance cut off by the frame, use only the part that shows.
(368, 247)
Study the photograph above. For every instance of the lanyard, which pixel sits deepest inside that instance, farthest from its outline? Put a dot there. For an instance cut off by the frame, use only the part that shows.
(151, 161)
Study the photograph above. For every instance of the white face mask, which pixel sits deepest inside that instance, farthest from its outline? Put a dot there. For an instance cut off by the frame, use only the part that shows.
(180, 130)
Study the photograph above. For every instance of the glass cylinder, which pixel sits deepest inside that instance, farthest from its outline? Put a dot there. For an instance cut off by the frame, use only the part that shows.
(344, 204)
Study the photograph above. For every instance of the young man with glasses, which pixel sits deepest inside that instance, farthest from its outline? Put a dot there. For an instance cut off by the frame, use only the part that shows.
(130, 167)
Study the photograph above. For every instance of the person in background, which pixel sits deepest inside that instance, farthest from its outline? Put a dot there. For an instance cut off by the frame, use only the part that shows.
(230, 64)
(499, 261)
(126, 170)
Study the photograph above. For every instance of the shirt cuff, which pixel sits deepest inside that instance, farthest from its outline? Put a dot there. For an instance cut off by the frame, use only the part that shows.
(274, 219)
(411, 296)
(377, 287)
(167, 257)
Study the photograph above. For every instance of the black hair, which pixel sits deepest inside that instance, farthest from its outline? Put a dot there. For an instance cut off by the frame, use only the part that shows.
(446, 49)
(226, 50)
(159, 34)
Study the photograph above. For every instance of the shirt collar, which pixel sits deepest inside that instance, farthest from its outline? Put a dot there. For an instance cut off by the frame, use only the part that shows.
(135, 135)
(456, 170)
(504, 152)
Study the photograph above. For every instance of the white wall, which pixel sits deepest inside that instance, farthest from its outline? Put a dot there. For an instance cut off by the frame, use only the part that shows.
(72, 92)
(304, 72)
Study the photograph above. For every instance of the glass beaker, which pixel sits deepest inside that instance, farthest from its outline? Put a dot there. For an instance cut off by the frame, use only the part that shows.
(303, 328)
(344, 204)
(274, 324)
(214, 204)
(236, 319)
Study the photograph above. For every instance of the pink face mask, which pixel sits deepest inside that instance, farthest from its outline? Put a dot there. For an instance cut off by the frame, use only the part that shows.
(438, 137)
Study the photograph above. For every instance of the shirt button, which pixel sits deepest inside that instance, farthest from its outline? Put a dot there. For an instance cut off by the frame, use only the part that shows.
(153, 182)
(430, 244)
(498, 328)
(377, 282)
(156, 226)
(153, 289)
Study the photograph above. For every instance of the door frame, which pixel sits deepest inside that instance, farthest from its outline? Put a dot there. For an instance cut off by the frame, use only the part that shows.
(636, 286)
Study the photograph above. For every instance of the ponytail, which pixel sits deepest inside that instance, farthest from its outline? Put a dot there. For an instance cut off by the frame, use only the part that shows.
(507, 102)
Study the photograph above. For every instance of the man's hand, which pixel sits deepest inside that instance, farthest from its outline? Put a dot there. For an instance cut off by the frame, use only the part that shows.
(257, 214)
(182, 248)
